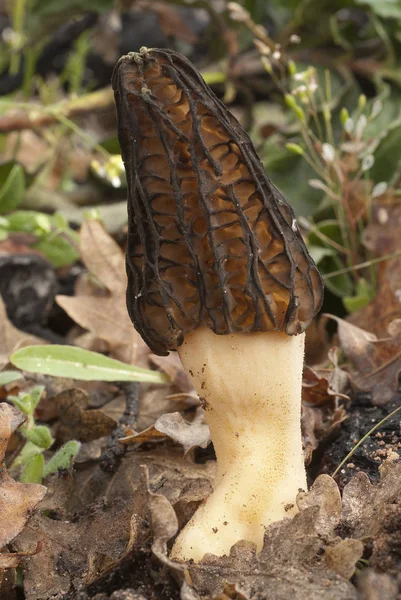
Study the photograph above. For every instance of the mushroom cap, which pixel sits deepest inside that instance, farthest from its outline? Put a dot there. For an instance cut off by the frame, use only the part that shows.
(211, 241)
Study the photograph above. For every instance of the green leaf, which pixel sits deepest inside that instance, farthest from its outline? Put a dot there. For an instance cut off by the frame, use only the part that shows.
(63, 457)
(364, 294)
(58, 250)
(318, 253)
(46, 8)
(33, 471)
(26, 454)
(330, 229)
(290, 174)
(55, 239)
(28, 402)
(387, 9)
(340, 285)
(40, 436)
(69, 361)
(387, 156)
(8, 377)
(12, 186)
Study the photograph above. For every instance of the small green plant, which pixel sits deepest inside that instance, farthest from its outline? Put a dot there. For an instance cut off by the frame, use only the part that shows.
(30, 461)
(60, 361)
(54, 237)
(343, 149)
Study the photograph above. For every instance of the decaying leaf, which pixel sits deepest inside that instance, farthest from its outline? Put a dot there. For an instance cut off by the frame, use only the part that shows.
(317, 423)
(320, 385)
(76, 422)
(12, 338)
(381, 237)
(309, 557)
(17, 500)
(342, 557)
(105, 519)
(374, 585)
(377, 363)
(174, 426)
(172, 365)
(102, 310)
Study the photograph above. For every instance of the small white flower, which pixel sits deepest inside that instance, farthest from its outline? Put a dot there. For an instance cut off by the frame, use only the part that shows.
(262, 47)
(115, 182)
(312, 87)
(237, 12)
(360, 126)
(316, 184)
(300, 76)
(349, 125)
(376, 108)
(367, 162)
(379, 189)
(328, 153)
(276, 55)
(295, 39)
(382, 216)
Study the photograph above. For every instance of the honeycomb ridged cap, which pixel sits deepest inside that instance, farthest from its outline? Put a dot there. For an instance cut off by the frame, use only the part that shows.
(211, 241)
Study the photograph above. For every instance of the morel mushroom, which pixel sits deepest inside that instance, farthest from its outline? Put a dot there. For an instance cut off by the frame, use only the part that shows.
(217, 270)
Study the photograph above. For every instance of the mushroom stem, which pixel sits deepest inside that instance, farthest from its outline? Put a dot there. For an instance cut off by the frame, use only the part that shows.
(251, 385)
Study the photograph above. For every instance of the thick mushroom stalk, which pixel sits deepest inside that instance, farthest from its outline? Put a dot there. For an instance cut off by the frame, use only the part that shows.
(251, 386)
(218, 270)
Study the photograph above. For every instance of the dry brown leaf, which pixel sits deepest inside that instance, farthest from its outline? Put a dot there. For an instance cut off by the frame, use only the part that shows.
(377, 363)
(172, 366)
(170, 20)
(157, 400)
(317, 423)
(373, 585)
(76, 422)
(12, 338)
(382, 237)
(106, 518)
(103, 256)
(342, 557)
(17, 500)
(320, 385)
(174, 426)
(303, 558)
(104, 314)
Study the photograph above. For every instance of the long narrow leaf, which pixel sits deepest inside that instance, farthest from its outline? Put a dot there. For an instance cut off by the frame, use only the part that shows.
(70, 361)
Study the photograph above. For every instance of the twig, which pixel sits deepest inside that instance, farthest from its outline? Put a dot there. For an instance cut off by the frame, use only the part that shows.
(364, 438)
(31, 116)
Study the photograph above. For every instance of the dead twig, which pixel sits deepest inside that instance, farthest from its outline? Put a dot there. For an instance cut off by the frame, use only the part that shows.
(30, 116)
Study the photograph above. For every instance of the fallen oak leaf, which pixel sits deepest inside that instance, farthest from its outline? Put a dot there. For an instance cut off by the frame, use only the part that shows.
(12, 338)
(102, 310)
(174, 426)
(76, 422)
(320, 385)
(105, 521)
(377, 363)
(172, 366)
(102, 256)
(17, 500)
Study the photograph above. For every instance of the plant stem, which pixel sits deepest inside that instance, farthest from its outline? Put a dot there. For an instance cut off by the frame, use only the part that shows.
(364, 438)
(362, 265)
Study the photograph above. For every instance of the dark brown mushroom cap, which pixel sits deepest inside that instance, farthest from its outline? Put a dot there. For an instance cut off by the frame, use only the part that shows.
(211, 241)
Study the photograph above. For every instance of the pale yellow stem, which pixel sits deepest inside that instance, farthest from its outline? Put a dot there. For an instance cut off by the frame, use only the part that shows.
(251, 385)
